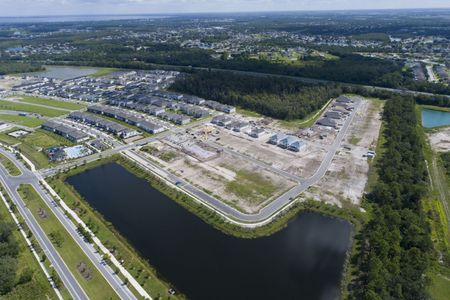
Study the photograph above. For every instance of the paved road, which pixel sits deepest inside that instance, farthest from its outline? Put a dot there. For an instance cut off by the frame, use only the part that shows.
(29, 177)
(57, 262)
(119, 147)
(263, 215)
(268, 211)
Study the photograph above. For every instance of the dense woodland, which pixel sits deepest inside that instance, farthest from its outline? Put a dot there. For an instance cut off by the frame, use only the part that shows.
(446, 161)
(12, 67)
(275, 97)
(9, 250)
(396, 248)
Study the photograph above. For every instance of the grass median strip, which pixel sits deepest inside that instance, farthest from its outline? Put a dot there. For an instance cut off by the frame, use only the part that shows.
(44, 111)
(138, 267)
(31, 282)
(9, 166)
(90, 279)
(52, 103)
(20, 120)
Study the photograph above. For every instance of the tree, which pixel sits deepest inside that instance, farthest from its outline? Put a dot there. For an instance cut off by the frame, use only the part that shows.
(8, 266)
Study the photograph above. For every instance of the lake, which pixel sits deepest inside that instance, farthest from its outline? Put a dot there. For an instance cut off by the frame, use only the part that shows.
(64, 72)
(435, 118)
(303, 261)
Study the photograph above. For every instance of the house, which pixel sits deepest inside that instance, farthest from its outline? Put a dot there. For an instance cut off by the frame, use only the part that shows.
(193, 100)
(276, 138)
(150, 127)
(239, 126)
(297, 146)
(344, 99)
(287, 141)
(154, 110)
(327, 122)
(333, 115)
(256, 132)
(67, 132)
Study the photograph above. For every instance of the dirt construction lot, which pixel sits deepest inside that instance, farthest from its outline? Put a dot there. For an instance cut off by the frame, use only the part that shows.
(346, 178)
(440, 139)
(303, 163)
(233, 179)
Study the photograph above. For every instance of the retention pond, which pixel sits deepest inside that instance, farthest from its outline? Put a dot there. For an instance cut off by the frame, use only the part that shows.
(303, 261)
(435, 118)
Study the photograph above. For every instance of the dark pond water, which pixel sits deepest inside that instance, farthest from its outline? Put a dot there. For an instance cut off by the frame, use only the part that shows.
(64, 72)
(303, 261)
(435, 118)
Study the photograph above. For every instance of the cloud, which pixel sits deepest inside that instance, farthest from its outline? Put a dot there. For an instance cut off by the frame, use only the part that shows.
(51, 7)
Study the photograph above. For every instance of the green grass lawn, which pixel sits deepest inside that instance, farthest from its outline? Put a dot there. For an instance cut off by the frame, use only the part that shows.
(20, 120)
(139, 268)
(96, 287)
(38, 287)
(8, 140)
(44, 111)
(9, 166)
(251, 186)
(33, 144)
(103, 72)
(51, 102)
(248, 113)
(440, 287)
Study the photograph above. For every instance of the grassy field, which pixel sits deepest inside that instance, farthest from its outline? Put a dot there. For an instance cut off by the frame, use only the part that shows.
(441, 287)
(44, 111)
(251, 186)
(431, 107)
(32, 144)
(436, 207)
(9, 166)
(137, 266)
(8, 140)
(20, 120)
(38, 287)
(52, 103)
(103, 72)
(248, 113)
(95, 287)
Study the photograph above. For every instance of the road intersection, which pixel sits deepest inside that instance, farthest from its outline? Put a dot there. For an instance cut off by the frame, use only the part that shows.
(11, 184)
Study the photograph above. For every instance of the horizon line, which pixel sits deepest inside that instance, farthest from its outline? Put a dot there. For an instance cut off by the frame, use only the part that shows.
(228, 12)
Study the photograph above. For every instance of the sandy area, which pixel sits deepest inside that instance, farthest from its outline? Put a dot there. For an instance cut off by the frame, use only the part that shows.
(346, 178)
(440, 139)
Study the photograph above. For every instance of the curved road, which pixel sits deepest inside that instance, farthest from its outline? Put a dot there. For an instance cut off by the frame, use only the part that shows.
(270, 210)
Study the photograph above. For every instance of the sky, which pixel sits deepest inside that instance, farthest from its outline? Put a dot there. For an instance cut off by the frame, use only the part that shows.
(81, 7)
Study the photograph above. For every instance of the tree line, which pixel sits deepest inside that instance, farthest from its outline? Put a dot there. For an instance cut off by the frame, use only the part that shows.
(396, 247)
(9, 250)
(13, 67)
(279, 98)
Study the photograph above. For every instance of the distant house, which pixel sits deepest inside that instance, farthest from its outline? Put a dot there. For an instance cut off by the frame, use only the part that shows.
(150, 127)
(256, 132)
(333, 115)
(297, 146)
(277, 138)
(327, 122)
(69, 133)
(222, 120)
(344, 99)
(287, 141)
